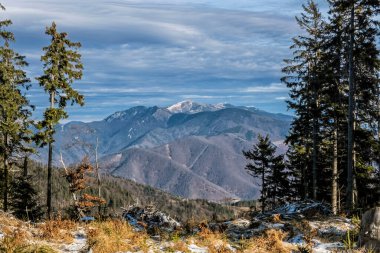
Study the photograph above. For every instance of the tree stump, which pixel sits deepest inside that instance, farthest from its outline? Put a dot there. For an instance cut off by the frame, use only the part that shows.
(369, 236)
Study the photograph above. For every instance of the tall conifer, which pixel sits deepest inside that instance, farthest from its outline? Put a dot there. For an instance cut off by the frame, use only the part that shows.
(303, 77)
(270, 169)
(62, 66)
(14, 106)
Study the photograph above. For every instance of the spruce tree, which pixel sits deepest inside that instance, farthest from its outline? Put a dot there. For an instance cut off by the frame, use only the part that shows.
(296, 160)
(270, 170)
(24, 199)
(303, 75)
(62, 66)
(358, 78)
(278, 182)
(14, 106)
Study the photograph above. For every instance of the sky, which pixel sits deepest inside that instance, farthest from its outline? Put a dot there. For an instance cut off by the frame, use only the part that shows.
(150, 52)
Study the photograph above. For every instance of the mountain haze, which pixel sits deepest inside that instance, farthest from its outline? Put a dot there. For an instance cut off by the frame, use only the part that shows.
(190, 149)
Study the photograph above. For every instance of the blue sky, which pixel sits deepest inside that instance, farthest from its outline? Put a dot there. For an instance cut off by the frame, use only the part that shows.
(161, 52)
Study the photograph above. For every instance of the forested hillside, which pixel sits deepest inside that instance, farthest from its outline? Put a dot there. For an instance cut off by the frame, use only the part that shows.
(121, 193)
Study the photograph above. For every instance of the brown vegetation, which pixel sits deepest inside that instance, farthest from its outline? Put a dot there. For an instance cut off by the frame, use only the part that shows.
(115, 236)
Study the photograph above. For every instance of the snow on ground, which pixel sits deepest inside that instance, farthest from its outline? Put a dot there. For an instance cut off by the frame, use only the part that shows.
(79, 243)
(328, 247)
(196, 249)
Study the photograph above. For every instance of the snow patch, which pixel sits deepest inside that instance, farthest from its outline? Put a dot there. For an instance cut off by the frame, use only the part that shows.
(79, 243)
(196, 249)
(191, 107)
(328, 247)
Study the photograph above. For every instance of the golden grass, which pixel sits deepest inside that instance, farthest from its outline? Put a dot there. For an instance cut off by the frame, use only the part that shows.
(8, 220)
(12, 241)
(276, 218)
(214, 241)
(17, 241)
(180, 246)
(270, 241)
(115, 236)
(57, 230)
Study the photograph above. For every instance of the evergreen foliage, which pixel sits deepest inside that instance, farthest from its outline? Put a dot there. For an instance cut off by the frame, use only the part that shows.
(24, 199)
(14, 106)
(270, 169)
(62, 66)
(334, 93)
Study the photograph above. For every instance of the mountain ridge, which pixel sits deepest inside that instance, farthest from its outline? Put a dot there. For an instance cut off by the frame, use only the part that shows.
(134, 144)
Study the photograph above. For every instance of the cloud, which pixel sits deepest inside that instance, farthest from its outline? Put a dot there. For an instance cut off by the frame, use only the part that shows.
(162, 51)
(274, 87)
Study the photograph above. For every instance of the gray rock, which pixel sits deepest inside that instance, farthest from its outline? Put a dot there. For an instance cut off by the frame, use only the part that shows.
(299, 209)
(370, 229)
(150, 219)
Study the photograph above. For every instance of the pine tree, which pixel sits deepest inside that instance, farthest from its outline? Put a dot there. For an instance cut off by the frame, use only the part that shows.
(24, 199)
(62, 66)
(278, 182)
(295, 164)
(14, 106)
(304, 78)
(269, 168)
(358, 78)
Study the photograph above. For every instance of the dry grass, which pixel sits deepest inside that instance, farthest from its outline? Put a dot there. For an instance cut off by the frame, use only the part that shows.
(270, 241)
(214, 241)
(115, 236)
(179, 246)
(17, 242)
(8, 220)
(57, 230)
(12, 241)
(276, 218)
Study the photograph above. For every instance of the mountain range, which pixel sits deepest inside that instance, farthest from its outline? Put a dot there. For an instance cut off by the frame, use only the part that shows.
(189, 149)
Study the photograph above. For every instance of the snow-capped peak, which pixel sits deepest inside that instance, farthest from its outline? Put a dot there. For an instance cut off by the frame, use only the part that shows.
(189, 106)
(181, 106)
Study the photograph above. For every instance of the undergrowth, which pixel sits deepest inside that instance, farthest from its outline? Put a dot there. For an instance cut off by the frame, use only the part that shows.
(115, 236)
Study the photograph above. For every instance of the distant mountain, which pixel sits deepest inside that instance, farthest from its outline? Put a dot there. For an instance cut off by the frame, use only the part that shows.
(189, 106)
(190, 149)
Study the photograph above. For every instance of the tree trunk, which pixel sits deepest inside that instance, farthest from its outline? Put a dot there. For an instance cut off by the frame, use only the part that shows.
(25, 167)
(354, 185)
(98, 174)
(334, 184)
(314, 166)
(49, 182)
(304, 183)
(6, 177)
(263, 197)
(50, 165)
(350, 140)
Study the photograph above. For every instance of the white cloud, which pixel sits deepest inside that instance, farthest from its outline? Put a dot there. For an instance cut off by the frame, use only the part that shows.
(141, 50)
(272, 88)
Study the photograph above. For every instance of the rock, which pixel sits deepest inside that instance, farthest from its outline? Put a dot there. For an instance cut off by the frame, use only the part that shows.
(299, 239)
(369, 236)
(300, 209)
(78, 245)
(333, 228)
(150, 219)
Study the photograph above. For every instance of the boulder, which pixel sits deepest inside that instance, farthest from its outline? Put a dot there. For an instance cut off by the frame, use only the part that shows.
(150, 219)
(299, 209)
(369, 236)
